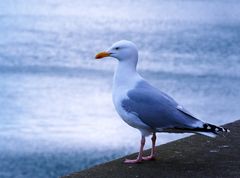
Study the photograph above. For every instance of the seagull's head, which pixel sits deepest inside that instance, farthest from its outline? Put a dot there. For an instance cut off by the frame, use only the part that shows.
(122, 50)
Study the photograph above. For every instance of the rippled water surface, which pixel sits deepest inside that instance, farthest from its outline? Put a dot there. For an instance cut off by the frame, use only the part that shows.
(56, 113)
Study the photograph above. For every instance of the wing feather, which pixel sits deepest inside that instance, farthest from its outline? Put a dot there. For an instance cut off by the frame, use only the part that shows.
(157, 109)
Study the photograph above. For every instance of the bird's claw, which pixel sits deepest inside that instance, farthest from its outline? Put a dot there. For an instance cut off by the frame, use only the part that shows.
(133, 161)
(139, 160)
(149, 158)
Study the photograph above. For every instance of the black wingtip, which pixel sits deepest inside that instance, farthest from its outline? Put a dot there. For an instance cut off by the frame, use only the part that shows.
(214, 128)
(207, 128)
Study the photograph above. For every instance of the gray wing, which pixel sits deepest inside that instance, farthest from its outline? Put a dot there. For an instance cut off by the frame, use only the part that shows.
(157, 109)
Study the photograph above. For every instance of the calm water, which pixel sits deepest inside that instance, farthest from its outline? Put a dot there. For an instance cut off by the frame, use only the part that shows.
(56, 113)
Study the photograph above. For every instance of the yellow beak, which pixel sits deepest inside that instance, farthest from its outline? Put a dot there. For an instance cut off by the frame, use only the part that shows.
(102, 55)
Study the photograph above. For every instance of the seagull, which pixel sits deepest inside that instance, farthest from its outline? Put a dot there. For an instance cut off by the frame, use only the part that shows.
(145, 107)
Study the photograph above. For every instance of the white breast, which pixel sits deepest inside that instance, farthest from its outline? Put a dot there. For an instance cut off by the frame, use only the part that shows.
(118, 95)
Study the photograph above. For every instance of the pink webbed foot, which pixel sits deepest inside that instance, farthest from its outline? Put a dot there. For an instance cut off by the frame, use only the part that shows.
(149, 158)
(132, 161)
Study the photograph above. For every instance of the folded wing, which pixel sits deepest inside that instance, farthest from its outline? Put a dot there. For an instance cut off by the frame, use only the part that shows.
(157, 109)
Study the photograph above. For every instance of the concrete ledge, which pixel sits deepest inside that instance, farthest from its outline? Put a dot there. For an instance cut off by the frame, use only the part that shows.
(195, 156)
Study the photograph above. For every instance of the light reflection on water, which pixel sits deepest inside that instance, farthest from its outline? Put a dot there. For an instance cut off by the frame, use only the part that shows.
(68, 122)
(55, 108)
(55, 99)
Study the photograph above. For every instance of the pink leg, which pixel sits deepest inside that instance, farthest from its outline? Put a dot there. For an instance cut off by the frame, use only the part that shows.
(140, 154)
(153, 151)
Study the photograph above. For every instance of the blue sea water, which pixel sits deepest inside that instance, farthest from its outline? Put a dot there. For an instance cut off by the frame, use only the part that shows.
(56, 113)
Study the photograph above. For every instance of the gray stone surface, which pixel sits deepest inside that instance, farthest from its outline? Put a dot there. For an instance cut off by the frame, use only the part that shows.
(194, 156)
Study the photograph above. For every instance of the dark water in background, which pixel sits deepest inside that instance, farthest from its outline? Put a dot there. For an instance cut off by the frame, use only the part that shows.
(56, 114)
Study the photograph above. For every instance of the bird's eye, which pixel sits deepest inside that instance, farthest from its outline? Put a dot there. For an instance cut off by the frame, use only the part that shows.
(117, 48)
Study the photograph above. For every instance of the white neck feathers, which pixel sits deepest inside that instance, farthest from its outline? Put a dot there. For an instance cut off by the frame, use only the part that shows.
(125, 73)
